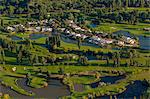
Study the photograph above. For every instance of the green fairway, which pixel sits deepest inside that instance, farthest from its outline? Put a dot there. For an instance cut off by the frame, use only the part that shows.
(37, 82)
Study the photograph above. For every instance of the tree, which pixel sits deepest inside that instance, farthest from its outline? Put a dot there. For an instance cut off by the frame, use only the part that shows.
(107, 61)
(114, 5)
(82, 60)
(48, 73)
(126, 3)
(42, 12)
(119, 18)
(36, 59)
(147, 63)
(2, 55)
(119, 4)
(79, 42)
(19, 57)
(116, 59)
(142, 3)
(97, 75)
(133, 17)
(61, 71)
(58, 42)
(1, 22)
(20, 10)
(71, 16)
(132, 56)
(100, 13)
(53, 40)
(43, 60)
(28, 43)
(11, 10)
(28, 75)
(31, 59)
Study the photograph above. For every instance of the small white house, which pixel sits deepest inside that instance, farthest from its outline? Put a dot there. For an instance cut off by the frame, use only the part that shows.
(129, 40)
(14, 69)
(38, 29)
(46, 29)
(9, 28)
(108, 41)
(120, 43)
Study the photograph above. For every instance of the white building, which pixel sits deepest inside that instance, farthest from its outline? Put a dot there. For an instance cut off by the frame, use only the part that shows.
(9, 28)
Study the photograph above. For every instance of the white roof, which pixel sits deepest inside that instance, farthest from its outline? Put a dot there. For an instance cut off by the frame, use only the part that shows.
(79, 35)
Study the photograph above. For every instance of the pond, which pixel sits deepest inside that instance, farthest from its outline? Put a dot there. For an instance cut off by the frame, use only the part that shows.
(107, 79)
(37, 36)
(144, 42)
(54, 90)
(32, 37)
(16, 38)
(133, 90)
(124, 33)
(93, 25)
(69, 40)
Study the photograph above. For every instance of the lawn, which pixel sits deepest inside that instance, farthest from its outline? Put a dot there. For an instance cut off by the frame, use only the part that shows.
(138, 8)
(133, 29)
(8, 20)
(37, 82)
(134, 73)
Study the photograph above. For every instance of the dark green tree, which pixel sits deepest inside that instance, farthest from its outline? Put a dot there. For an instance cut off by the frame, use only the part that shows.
(19, 57)
(36, 59)
(83, 60)
(31, 59)
(107, 61)
(116, 59)
(43, 60)
(142, 3)
(2, 56)
(61, 71)
(79, 42)
(126, 3)
(1, 22)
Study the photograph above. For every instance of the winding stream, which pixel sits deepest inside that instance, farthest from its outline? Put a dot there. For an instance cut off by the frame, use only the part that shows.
(54, 90)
